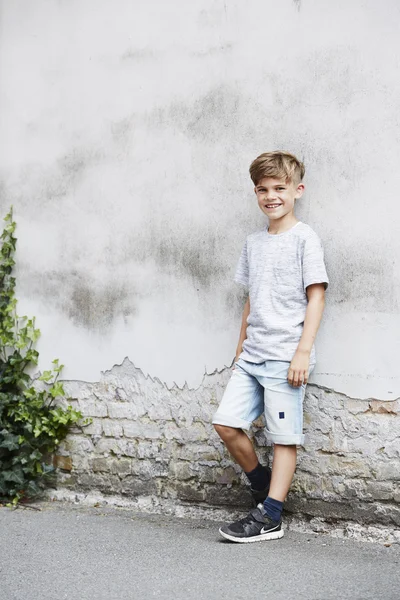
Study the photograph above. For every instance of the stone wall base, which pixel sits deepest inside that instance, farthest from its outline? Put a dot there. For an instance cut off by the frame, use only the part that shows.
(292, 522)
(148, 441)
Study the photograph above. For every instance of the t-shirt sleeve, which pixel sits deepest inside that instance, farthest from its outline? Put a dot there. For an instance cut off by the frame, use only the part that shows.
(314, 270)
(242, 270)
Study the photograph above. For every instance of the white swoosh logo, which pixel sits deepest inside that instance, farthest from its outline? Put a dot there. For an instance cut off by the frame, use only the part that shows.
(268, 530)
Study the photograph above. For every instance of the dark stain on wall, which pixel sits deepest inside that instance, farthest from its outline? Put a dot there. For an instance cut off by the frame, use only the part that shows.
(97, 308)
(138, 54)
(361, 275)
(235, 298)
(195, 255)
(224, 116)
(42, 185)
(87, 302)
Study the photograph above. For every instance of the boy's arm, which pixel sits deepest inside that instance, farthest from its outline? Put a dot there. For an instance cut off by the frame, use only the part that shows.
(298, 370)
(243, 329)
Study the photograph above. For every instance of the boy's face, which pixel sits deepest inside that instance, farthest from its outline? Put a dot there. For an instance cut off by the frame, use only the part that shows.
(276, 197)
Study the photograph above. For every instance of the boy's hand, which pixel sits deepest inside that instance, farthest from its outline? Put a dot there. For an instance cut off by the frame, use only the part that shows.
(234, 362)
(298, 370)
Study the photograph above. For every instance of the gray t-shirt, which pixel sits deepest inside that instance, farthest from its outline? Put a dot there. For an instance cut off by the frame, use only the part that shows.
(276, 269)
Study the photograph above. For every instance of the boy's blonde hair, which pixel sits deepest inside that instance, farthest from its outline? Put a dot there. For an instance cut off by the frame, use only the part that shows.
(280, 165)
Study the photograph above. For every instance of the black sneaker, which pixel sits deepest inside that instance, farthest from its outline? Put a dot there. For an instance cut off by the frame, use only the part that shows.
(256, 527)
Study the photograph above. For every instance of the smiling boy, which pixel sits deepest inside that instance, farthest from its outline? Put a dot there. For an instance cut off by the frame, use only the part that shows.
(283, 269)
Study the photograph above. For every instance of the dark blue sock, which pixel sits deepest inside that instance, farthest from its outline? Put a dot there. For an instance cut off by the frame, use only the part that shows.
(259, 477)
(273, 508)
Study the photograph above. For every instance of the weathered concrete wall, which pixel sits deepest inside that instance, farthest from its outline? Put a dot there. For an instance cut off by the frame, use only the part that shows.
(126, 133)
(127, 130)
(148, 441)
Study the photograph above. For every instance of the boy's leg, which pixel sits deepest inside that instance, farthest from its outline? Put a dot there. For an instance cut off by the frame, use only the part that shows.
(242, 450)
(242, 403)
(284, 419)
(239, 446)
(283, 468)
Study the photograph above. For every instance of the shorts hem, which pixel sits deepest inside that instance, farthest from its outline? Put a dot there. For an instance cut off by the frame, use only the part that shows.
(286, 439)
(230, 421)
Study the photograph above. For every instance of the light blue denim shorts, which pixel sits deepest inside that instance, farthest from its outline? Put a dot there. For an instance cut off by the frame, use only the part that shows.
(257, 388)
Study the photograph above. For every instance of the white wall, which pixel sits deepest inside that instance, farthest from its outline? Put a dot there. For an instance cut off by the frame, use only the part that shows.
(127, 129)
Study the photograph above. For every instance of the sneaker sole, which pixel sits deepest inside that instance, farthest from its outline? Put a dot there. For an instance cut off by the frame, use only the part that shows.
(274, 535)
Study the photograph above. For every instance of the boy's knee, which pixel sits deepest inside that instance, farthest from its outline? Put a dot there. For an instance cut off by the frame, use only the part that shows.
(227, 434)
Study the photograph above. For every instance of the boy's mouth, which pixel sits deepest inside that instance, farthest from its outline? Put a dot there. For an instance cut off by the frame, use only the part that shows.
(272, 205)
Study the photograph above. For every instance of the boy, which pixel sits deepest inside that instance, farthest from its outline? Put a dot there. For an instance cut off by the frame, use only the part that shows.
(283, 269)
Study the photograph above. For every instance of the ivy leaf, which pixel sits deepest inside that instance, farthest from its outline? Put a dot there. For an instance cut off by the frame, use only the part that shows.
(46, 376)
(57, 390)
(15, 476)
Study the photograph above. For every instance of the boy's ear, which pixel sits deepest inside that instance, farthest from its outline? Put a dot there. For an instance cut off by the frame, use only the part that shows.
(300, 190)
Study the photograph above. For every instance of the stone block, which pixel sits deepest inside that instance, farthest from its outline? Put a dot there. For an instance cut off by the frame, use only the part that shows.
(195, 433)
(132, 429)
(388, 471)
(122, 410)
(321, 422)
(392, 449)
(190, 492)
(121, 466)
(62, 462)
(381, 490)
(78, 443)
(355, 488)
(196, 452)
(112, 428)
(237, 496)
(147, 449)
(226, 476)
(128, 448)
(107, 446)
(366, 444)
(147, 469)
(81, 462)
(100, 465)
(67, 480)
(94, 428)
(356, 407)
(93, 408)
(207, 474)
(133, 486)
(389, 406)
(181, 471)
(151, 431)
(160, 411)
(172, 432)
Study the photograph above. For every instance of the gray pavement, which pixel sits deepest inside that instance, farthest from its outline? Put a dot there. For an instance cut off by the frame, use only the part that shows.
(75, 552)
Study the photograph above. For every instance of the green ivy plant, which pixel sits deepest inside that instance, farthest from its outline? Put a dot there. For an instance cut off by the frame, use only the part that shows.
(31, 423)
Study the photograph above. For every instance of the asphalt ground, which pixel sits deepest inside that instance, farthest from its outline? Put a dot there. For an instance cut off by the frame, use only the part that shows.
(83, 553)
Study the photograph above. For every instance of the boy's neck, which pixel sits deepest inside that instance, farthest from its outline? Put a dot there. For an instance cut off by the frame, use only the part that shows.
(281, 225)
